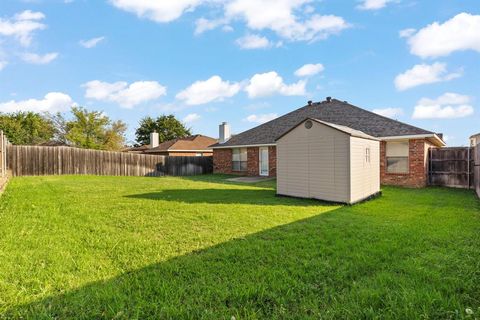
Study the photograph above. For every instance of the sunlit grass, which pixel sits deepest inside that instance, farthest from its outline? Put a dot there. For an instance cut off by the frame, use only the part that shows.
(116, 247)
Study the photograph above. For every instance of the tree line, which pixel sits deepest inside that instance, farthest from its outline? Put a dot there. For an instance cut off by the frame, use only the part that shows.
(82, 128)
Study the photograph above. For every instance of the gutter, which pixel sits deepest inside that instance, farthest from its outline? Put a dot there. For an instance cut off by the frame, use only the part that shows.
(246, 146)
(433, 136)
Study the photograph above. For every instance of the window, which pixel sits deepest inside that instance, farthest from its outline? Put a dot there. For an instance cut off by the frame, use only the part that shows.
(239, 159)
(367, 154)
(397, 157)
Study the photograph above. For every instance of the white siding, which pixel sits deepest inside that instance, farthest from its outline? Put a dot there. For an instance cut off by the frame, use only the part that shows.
(365, 175)
(314, 163)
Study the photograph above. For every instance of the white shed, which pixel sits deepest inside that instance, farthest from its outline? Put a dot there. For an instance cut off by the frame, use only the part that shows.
(325, 161)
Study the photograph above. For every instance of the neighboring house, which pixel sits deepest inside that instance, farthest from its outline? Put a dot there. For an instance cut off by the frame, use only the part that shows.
(475, 140)
(403, 148)
(197, 145)
(326, 161)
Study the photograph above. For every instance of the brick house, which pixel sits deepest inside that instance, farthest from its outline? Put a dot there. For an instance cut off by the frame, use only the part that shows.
(192, 146)
(403, 148)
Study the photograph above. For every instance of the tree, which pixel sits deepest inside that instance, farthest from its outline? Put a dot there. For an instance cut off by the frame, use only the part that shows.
(94, 130)
(27, 127)
(167, 126)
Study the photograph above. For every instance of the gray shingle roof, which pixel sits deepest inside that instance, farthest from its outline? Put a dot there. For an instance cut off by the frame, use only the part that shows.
(336, 112)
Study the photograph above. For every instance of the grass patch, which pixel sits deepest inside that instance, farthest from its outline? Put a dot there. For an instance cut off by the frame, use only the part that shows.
(136, 248)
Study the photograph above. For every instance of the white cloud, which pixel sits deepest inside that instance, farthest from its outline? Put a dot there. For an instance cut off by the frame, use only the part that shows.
(124, 94)
(281, 17)
(39, 59)
(406, 33)
(270, 83)
(22, 26)
(157, 10)
(52, 102)
(373, 4)
(253, 41)
(309, 70)
(294, 20)
(213, 89)
(3, 64)
(91, 43)
(202, 25)
(261, 118)
(393, 113)
(192, 117)
(447, 106)
(459, 33)
(424, 74)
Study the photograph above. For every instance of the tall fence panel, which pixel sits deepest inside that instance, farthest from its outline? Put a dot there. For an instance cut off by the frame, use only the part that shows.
(186, 166)
(477, 169)
(452, 167)
(3, 155)
(40, 160)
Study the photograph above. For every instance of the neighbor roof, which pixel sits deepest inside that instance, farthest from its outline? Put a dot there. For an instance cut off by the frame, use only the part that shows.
(347, 130)
(193, 143)
(335, 112)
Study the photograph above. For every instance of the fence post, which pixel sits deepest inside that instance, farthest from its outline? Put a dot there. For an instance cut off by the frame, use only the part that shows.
(3, 148)
(468, 169)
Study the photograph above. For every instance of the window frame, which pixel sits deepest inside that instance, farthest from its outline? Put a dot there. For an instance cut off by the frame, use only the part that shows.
(388, 157)
(239, 165)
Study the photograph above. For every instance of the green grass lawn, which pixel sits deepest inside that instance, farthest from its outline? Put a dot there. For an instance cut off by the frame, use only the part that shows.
(136, 248)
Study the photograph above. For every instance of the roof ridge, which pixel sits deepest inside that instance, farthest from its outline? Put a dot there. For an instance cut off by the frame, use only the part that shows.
(379, 115)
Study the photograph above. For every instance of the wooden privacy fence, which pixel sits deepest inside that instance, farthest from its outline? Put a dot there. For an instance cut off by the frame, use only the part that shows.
(452, 167)
(3, 155)
(39, 160)
(477, 169)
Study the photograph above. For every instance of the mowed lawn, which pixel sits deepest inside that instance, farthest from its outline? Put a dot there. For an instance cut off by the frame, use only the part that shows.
(84, 247)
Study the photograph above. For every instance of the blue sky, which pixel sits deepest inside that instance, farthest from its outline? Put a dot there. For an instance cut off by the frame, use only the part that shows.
(240, 61)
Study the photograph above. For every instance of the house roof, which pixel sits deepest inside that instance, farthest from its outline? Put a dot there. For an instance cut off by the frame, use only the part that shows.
(192, 143)
(347, 130)
(335, 112)
(475, 135)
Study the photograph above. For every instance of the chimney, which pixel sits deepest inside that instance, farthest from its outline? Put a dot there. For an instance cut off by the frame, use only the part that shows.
(310, 102)
(154, 139)
(224, 132)
(329, 99)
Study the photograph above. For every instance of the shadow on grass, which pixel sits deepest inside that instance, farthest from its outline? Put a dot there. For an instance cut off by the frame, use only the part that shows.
(227, 196)
(223, 179)
(339, 264)
(281, 271)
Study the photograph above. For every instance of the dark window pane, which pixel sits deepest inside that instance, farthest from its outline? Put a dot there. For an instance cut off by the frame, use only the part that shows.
(397, 164)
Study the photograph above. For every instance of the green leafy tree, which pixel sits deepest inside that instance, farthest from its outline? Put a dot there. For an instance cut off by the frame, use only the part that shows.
(167, 126)
(94, 130)
(27, 128)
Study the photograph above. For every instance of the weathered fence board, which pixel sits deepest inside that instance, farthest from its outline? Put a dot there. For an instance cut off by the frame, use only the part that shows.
(451, 167)
(477, 169)
(3, 154)
(40, 160)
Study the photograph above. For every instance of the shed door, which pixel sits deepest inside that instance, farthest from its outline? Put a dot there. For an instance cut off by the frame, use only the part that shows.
(321, 167)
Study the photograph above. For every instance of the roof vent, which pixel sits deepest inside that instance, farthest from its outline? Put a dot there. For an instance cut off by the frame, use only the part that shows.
(329, 99)
(309, 102)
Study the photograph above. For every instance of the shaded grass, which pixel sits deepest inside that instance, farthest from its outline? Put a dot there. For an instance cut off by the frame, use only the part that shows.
(110, 247)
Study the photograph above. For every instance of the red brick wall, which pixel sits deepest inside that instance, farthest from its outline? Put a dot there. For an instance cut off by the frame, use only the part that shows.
(222, 161)
(272, 161)
(417, 175)
(253, 165)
